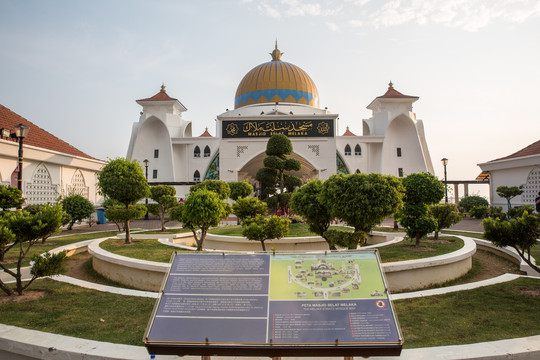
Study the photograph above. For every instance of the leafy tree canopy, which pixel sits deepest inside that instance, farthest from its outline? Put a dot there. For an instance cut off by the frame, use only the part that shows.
(446, 215)
(19, 231)
(249, 207)
(509, 192)
(10, 197)
(262, 228)
(78, 208)
(468, 202)
(164, 196)
(306, 201)
(203, 209)
(220, 187)
(520, 233)
(362, 200)
(240, 189)
(124, 181)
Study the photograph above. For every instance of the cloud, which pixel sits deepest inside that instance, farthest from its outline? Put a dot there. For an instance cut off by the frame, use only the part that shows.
(468, 15)
(333, 26)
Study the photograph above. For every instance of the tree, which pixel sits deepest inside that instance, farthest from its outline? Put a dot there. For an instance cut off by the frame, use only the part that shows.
(203, 209)
(220, 187)
(164, 197)
(306, 201)
(362, 200)
(262, 228)
(509, 192)
(274, 176)
(446, 215)
(77, 207)
(468, 202)
(21, 230)
(421, 190)
(249, 208)
(240, 189)
(10, 197)
(520, 234)
(124, 181)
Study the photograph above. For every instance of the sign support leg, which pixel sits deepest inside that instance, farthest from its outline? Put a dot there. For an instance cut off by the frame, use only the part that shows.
(205, 357)
(348, 358)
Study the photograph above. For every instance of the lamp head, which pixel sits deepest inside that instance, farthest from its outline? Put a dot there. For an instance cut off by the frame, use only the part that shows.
(146, 162)
(21, 131)
(444, 161)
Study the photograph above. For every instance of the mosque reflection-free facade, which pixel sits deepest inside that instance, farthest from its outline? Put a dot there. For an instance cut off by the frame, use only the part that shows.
(277, 97)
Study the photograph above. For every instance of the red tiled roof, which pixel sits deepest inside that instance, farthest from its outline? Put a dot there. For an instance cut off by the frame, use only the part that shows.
(348, 132)
(160, 96)
(206, 133)
(37, 136)
(392, 93)
(533, 149)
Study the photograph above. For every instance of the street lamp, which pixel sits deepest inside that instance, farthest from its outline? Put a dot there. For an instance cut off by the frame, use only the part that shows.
(146, 162)
(445, 162)
(21, 131)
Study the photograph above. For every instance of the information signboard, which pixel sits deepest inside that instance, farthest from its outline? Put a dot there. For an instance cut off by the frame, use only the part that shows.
(327, 304)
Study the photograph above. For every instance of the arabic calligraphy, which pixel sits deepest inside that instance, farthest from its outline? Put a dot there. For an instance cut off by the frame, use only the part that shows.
(263, 128)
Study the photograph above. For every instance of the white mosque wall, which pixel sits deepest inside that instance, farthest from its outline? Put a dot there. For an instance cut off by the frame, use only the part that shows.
(402, 148)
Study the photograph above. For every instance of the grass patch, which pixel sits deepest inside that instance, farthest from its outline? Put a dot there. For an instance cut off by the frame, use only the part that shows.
(169, 231)
(75, 311)
(405, 250)
(142, 249)
(489, 313)
(388, 229)
(295, 230)
(52, 243)
(474, 235)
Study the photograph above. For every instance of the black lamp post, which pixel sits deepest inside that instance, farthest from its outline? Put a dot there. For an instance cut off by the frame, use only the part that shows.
(146, 162)
(445, 162)
(21, 131)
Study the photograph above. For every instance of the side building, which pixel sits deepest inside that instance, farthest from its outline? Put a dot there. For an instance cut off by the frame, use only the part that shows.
(517, 169)
(51, 166)
(276, 97)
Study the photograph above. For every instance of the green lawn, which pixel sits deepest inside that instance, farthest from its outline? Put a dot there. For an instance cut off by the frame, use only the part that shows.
(405, 250)
(143, 249)
(169, 231)
(489, 313)
(75, 311)
(53, 243)
(295, 230)
(485, 314)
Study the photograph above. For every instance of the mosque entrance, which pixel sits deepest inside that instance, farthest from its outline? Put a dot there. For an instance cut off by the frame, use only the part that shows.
(249, 170)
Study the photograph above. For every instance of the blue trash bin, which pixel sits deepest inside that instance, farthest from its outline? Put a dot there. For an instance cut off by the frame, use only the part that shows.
(101, 219)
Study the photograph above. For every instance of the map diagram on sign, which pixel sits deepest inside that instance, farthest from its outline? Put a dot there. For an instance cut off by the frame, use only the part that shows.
(324, 277)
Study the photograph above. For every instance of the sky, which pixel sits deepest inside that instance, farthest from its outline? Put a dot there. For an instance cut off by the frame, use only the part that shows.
(75, 68)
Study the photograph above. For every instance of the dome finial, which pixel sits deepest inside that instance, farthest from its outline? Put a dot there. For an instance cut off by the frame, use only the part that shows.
(162, 88)
(276, 54)
(390, 85)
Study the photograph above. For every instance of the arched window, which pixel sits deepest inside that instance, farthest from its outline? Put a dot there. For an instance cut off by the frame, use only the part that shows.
(347, 150)
(197, 176)
(40, 190)
(197, 152)
(357, 150)
(206, 151)
(78, 185)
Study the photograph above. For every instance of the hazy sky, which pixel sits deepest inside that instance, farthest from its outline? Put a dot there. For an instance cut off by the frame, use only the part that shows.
(75, 68)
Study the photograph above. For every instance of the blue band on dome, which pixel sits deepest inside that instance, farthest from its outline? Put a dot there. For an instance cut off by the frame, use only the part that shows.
(270, 93)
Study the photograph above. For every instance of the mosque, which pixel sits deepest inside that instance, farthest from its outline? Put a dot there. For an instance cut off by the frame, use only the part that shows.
(276, 97)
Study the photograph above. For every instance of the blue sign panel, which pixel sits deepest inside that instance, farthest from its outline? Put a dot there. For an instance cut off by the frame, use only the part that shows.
(269, 305)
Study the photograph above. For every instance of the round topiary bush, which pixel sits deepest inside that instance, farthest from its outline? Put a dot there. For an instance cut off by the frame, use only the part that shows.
(469, 202)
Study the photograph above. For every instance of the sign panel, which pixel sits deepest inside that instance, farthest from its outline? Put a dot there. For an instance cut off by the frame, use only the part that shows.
(275, 305)
(267, 128)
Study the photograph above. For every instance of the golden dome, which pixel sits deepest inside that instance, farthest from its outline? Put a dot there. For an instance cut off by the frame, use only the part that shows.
(276, 81)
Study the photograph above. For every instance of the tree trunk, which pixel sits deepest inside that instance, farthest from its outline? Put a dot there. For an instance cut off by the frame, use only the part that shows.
(263, 247)
(418, 239)
(128, 234)
(396, 227)
(436, 235)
